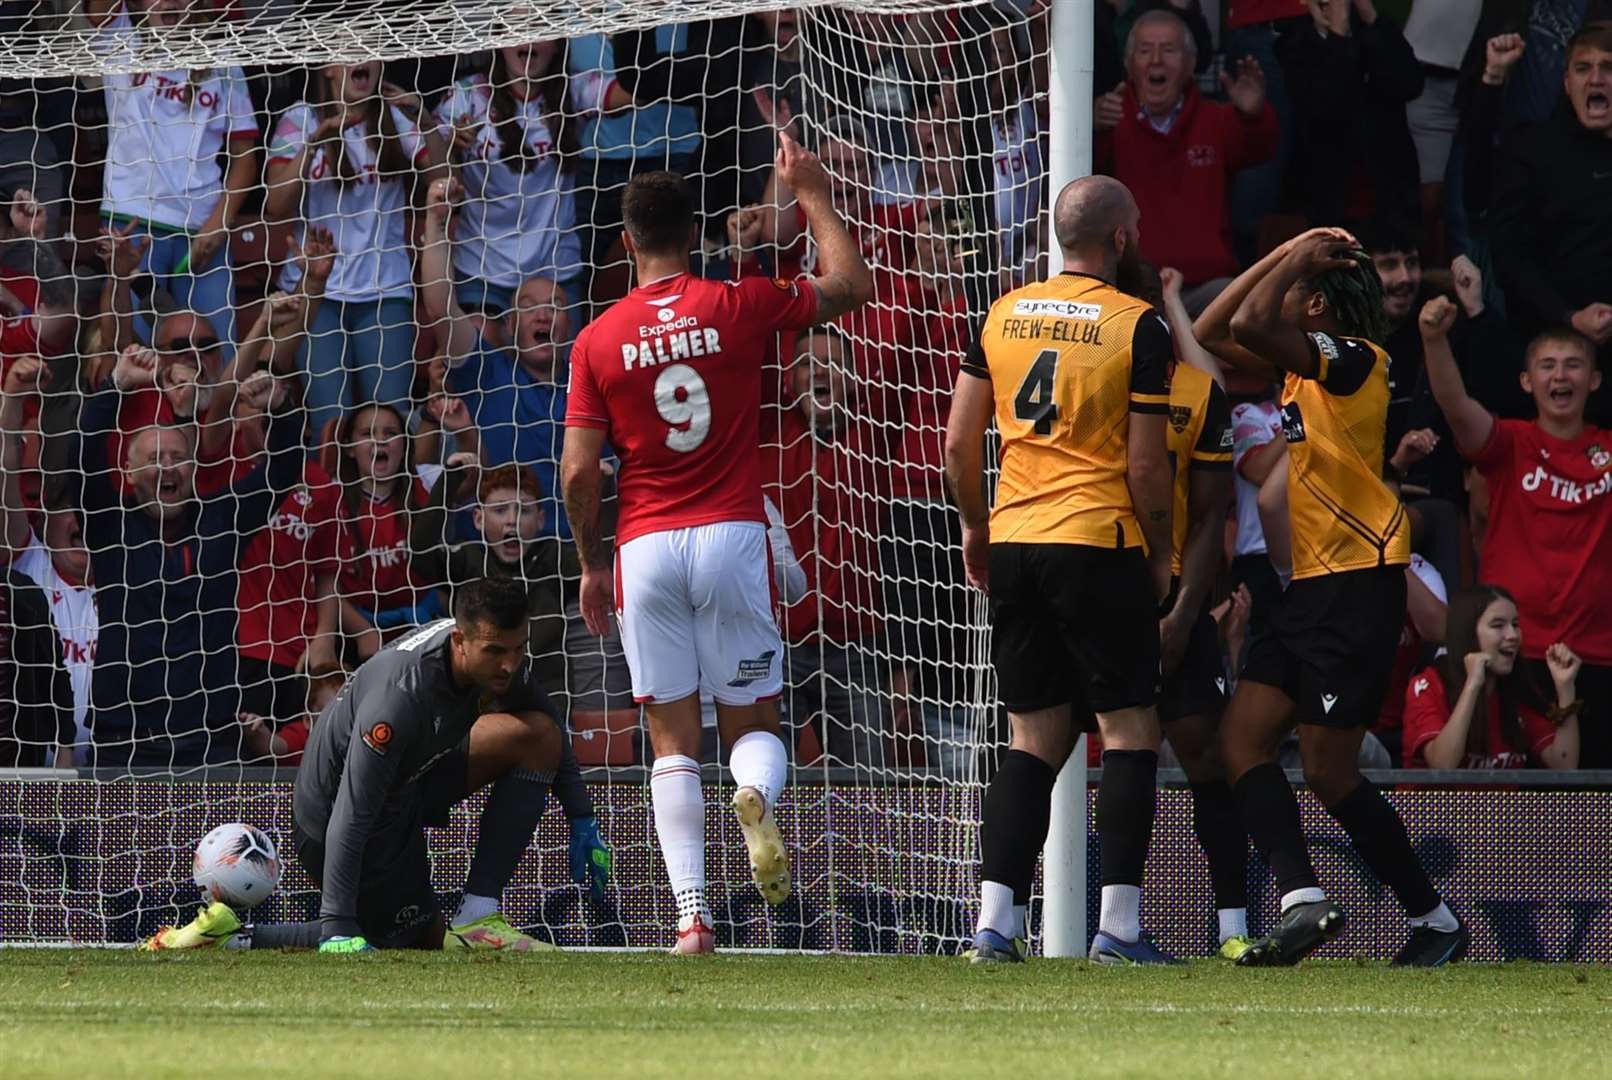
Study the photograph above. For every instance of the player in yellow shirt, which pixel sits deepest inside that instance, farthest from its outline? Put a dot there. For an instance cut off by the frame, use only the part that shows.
(1075, 555)
(1326, 658)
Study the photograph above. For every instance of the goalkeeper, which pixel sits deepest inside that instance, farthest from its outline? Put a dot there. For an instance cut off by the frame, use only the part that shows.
(449, 709)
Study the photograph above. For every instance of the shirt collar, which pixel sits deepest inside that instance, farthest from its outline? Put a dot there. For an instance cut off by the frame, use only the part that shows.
(1161, 126)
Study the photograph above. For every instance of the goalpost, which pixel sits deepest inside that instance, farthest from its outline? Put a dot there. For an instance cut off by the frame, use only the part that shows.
(949, 126)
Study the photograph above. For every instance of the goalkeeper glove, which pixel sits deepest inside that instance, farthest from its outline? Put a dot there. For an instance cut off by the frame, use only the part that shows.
(590, 858)
(345, 945)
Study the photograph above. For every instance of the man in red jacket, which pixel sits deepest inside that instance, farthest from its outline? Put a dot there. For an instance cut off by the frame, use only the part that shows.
(1177, 152)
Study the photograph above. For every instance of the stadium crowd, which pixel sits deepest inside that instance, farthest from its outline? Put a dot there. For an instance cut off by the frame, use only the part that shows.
(285, 351)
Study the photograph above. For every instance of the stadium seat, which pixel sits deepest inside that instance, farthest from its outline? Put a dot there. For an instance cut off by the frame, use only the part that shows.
(605, 738)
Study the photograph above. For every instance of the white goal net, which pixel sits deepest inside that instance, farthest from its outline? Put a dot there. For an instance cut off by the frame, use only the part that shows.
(263, 409)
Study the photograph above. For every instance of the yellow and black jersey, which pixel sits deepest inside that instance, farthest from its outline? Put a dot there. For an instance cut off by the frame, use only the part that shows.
(1342, 515)
(1069, 360)
(1199, 437)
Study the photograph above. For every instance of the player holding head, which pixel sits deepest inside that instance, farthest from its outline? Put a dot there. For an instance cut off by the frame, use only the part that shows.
(449, 709)
(1075, 554)
(671, 376)
(1325, 661)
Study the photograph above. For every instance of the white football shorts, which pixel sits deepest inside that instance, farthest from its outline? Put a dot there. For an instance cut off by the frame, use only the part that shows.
(696, 611)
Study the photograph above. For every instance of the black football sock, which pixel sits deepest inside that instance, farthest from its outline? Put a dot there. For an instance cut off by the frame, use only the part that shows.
(295, 935)
(1126, 802)
(507, 823)
(1014, 821)
(1378, 834)
(1271, 816)
(1219, 829)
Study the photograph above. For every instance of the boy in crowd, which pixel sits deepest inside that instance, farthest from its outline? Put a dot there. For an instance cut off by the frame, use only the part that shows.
(1549, 539)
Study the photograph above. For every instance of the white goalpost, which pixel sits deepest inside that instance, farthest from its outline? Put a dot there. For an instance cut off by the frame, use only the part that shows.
(1069, 101)
(948, 125)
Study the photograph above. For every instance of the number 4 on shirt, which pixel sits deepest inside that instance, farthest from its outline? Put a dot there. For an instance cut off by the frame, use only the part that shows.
(1034, 402)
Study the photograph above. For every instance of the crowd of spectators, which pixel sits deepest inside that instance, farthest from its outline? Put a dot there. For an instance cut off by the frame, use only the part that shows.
(285, 351)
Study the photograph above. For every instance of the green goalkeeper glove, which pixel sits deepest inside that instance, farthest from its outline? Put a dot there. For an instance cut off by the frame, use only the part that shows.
(345, 945)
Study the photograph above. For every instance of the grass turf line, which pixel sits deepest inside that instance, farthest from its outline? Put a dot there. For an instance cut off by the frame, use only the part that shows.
(95, 1013)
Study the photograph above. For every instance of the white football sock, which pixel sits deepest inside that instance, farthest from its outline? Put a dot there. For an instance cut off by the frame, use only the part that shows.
(1233, 923)
(674, 786)
(758, 760)
(1302, 896)
(473, 907)
(1020, 930)
(1440, 918)
(1121, 913)
(996, 909)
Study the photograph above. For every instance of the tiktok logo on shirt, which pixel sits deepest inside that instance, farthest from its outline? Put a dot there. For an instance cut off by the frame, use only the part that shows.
(1565, 490)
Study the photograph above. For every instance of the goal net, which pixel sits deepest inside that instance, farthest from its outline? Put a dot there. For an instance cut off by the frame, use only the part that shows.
(264, 406)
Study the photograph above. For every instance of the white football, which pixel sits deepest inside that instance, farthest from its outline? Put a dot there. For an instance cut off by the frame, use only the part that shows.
(237, 864)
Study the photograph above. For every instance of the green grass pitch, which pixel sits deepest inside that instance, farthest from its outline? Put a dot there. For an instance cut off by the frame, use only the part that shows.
(96, 1013)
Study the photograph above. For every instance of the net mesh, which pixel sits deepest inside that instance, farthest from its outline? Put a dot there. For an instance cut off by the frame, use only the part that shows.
(196, 562)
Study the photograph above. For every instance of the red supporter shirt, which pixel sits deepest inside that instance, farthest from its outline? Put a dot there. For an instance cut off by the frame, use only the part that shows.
(1549, 540)
(276, 593)
(920, 465)
(1427, 711)
(672, 372)
(826, 492)
(1409, 656)
(376, 571)
(19, 335)
(1181, 179)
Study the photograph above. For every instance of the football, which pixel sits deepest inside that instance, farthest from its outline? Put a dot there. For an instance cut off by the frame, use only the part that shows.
(237, 864)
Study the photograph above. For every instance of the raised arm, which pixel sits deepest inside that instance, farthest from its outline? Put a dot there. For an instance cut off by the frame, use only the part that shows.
(1259, 325)
(843, 282)
(1448, 747)
(1212, 330)
(1187, 348)
(25, 375)
(436, 272)
(1469, 421)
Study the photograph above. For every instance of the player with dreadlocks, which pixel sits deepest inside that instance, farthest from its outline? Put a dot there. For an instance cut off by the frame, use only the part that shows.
(1309, 312)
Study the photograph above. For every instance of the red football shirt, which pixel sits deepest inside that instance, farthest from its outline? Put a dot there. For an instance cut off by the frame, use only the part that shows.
(919, 470)
(1427, 710)
(672, 372)
(376, 571)
(827, 493)
(276, 592)
(1549, 540)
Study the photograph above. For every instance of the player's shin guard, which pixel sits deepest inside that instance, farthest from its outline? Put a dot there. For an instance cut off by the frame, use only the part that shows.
(507, 823)
(674, 786)
(1378, 834)
(1013, 830)
(1271, 816)
(1126, 802)
(1219, 830)
(758, 760)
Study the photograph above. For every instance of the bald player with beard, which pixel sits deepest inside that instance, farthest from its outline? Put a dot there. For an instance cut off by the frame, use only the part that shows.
(1075, 555)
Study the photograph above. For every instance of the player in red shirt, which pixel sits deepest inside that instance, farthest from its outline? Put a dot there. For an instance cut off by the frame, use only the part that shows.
(671, 376)
(1479, 676)
(1549, 540)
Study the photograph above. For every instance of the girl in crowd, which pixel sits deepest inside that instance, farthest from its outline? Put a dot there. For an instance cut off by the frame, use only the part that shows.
(163, 181)
(347, 160)
(380, 587)
(1471, 709)
(515, 153)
